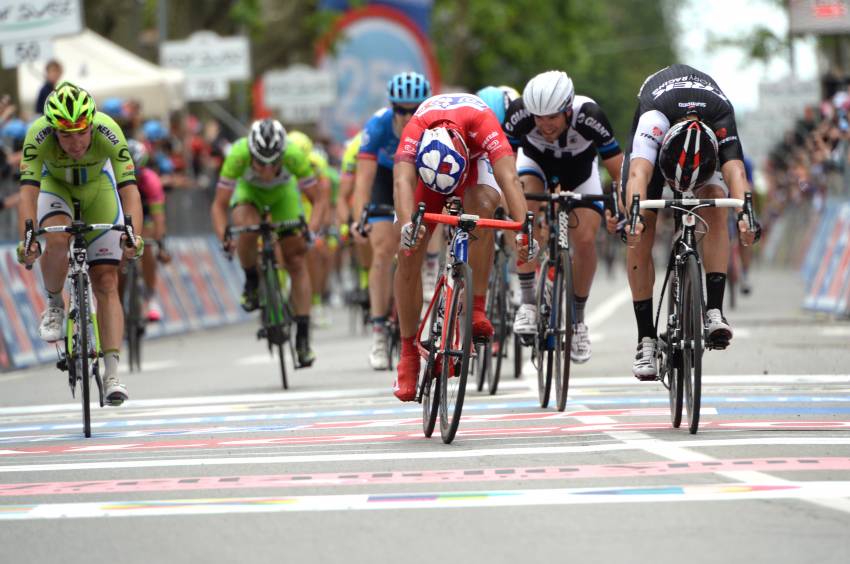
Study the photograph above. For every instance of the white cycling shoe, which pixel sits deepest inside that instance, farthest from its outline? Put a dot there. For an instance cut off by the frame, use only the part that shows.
(580, 347)
(52, 326)
(525, 322)
(114, 391)
(644, 367)
(378, 354)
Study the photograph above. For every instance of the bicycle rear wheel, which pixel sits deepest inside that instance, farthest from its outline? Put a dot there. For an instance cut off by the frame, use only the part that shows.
(692, 326)
(133, 322)
(563, 304)
(430, 380)
(517, 356)
(81, 328)
(455, 352)
(499, 315)
(542, 341)
(671, 358)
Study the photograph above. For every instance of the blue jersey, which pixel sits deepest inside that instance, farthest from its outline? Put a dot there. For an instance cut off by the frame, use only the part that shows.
(378, 140)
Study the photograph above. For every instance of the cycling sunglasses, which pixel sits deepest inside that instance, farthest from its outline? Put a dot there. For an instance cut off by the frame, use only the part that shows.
(402, 111)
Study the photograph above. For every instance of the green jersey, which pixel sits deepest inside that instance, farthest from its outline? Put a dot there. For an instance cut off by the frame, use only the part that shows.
(296, 167)
(42, 155)
(349, 158)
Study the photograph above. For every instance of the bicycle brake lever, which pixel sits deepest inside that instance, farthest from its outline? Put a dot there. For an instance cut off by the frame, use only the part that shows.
(29, 235)
(634, 214)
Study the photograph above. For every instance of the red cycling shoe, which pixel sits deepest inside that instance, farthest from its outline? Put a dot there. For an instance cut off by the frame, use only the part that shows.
(481, 326)
(404, 387)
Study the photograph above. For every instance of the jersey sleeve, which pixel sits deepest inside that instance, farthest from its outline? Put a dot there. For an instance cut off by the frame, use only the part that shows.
(299, 165)
(728, 144)
(650, 130)
(235, 164)
(486, 132)
(593, 124)
(32, 156)
(518, 123)
(371, 137)
(349, 158)
(117, 150)
(409, 142)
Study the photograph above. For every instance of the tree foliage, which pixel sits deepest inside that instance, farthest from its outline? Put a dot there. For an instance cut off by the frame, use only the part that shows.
(608, 48)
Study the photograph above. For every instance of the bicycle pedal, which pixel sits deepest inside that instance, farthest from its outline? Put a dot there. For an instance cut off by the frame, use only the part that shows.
(261, 333)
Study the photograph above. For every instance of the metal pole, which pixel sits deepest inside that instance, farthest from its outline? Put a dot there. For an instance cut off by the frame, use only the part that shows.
(162, 20)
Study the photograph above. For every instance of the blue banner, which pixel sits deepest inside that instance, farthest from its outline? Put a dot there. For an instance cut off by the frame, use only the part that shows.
(419, 11)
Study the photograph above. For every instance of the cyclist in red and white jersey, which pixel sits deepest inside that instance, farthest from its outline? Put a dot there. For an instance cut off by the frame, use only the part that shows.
(453, 146)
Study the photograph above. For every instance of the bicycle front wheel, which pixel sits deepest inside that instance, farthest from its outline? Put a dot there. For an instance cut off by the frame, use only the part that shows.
(274, 317)
(133, 321)
(455, 352)
(81, 355)
(692, 332)
(563, 307)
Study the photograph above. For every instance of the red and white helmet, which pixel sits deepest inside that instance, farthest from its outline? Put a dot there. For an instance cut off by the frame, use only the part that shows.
(688, 156)
(442, 160)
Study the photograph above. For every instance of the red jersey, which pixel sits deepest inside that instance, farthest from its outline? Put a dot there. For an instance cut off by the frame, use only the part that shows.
(150, 186)
(478, 125)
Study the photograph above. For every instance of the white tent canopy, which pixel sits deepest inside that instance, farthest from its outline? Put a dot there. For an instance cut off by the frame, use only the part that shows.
(106, 70)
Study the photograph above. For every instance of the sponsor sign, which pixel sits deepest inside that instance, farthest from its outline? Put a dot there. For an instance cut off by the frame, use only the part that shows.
(299, 93)
(22, 20)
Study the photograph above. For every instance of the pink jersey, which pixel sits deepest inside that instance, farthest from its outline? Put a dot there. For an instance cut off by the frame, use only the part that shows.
(480, 128)
(150, 187)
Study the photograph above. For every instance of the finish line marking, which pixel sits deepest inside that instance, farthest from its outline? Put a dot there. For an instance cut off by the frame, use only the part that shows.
(420, 476)
(442, 453)
(428, 500)
(591, 426)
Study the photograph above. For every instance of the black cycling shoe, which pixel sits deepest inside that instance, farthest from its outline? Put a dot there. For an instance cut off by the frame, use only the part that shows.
(306, 356)
(250, 299)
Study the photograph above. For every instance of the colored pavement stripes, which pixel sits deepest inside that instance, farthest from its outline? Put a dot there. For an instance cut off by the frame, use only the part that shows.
(428, 500)
(553, 430)
(662, 468)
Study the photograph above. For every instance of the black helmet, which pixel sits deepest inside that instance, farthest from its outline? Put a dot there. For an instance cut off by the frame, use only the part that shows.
(688, 156)
(267, 140)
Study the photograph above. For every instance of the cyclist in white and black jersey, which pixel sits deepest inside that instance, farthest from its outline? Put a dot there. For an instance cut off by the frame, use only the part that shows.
(683, 135)
(561, 138)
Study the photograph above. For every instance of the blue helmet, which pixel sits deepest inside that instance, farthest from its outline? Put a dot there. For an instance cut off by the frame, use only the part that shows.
(15, 129)
(408, 88)
(496, 99)
(154, 130)
(113, 107)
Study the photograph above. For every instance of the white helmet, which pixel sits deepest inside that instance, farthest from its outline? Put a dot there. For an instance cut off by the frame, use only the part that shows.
(267, 140)
(548, 93)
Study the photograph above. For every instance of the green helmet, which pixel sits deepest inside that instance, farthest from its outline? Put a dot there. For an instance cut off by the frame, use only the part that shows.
(69, 108)
(300, 140)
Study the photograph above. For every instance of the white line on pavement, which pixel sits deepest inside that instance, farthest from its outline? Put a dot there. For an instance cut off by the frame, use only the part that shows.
(443, 453)
(424, 500)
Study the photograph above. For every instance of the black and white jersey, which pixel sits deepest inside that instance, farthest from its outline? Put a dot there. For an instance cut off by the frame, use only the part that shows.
(674, 93)
(573, 155)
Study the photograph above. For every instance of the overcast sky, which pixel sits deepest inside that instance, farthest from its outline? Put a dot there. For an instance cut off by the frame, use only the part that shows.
(726, 18)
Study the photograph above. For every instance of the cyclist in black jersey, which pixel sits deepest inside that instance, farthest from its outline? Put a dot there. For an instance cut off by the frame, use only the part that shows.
(561, 137)
(683, 135)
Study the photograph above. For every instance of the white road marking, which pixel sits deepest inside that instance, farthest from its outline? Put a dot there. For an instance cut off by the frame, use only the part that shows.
(835, 331)
(427, 500)
(443, 453)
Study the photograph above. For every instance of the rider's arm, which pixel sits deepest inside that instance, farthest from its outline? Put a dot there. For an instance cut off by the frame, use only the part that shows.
(346, 189)
(504, 169)
(614, 166)
(131, 203)
(735, 176)
(364, 178)
(30, 169)
(640, 173)
(319, 194)
(220, 205)
(404, 187)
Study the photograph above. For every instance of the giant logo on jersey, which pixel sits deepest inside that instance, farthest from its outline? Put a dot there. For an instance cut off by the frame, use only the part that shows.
(440, 167)
(451, 102)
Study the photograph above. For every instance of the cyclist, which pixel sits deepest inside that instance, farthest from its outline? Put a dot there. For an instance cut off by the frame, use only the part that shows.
(320, 255)
(562, 137)
(263, 170)
(74, 153)
(684, 126)
(153, 206)
(453, 146)
(345, 201)
(373, 186)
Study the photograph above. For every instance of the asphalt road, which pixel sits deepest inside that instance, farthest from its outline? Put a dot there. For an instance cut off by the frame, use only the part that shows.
(211, 461)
